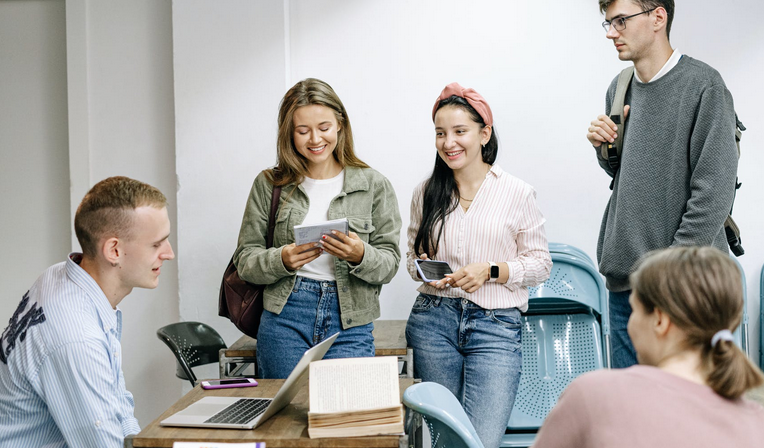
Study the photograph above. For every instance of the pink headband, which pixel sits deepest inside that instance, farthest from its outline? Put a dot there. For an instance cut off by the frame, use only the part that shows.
(473, 98)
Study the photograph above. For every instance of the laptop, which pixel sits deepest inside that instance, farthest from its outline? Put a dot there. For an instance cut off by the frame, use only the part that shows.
(247, 412)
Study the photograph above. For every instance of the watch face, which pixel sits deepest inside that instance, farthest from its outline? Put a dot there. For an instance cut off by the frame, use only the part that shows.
(494, 271)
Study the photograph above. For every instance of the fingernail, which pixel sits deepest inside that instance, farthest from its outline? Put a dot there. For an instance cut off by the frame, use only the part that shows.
(334, 232)
(324, 237)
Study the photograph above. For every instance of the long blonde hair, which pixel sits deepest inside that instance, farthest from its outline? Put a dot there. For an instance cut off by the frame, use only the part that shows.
(292, 167)
(701, 291)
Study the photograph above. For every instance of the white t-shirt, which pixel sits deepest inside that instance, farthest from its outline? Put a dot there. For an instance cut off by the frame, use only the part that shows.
(320, 194)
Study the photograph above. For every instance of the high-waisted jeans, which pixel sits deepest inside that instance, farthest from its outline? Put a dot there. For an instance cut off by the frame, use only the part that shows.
(474, 352)
(311, 314)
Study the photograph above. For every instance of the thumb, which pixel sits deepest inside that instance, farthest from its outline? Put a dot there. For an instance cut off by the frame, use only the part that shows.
(626, 110)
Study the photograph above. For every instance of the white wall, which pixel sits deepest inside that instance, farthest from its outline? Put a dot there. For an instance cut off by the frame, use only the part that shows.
(34, 199)
(544, 71)
(122, 121)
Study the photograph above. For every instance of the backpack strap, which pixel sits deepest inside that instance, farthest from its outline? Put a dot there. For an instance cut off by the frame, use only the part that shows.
(612, 151)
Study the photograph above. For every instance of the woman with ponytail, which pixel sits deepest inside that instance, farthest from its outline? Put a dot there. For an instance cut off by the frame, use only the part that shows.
(465, 329)
(688, 389)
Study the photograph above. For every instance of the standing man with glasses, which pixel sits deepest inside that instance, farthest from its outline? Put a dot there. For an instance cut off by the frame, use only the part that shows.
(675, 182)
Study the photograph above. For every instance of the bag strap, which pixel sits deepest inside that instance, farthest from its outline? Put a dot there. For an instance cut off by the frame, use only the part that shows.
(612, 151)
(275, 197)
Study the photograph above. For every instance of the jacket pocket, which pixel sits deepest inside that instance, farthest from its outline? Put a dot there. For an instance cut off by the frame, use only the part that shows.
(361, 226)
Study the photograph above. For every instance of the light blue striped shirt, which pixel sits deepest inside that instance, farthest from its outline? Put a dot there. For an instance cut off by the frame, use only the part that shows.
(61, 381)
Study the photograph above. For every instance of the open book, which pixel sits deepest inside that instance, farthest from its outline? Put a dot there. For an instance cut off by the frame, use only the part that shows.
(354, 397)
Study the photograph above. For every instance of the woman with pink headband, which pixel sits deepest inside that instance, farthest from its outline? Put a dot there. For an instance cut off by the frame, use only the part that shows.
(688, 388)
(465, 329)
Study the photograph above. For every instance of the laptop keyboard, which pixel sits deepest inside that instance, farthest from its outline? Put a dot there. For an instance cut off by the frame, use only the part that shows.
(240, 412)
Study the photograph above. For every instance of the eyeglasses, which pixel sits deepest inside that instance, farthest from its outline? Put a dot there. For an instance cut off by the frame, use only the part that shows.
(619, 23)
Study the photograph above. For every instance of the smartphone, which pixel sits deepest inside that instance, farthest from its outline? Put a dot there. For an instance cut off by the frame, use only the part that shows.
(228, 382)
(432, 271)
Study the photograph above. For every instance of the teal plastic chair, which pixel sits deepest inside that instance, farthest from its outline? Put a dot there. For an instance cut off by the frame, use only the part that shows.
(193, 344)
(566, 333)
(448, 423)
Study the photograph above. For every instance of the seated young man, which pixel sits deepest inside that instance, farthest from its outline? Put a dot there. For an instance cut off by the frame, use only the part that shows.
(61, 381)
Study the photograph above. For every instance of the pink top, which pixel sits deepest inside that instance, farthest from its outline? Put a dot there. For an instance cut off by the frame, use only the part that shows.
(503, 224)
(644, 406)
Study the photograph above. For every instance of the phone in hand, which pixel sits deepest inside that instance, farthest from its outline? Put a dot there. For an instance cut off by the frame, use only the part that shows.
(225, 383)
(432, 271)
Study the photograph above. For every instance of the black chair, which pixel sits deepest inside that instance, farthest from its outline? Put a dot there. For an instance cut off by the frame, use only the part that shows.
(193, 344)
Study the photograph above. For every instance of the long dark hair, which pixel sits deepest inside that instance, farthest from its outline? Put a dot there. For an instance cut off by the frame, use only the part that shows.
(441, 194)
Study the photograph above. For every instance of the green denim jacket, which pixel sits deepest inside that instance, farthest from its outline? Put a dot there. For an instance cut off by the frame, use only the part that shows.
(369, 203)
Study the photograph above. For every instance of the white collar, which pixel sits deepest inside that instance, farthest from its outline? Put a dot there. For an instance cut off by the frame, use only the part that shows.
(671, 63)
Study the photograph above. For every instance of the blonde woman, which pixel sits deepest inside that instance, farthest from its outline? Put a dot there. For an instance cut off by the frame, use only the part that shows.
(688, 389)
(316, 290)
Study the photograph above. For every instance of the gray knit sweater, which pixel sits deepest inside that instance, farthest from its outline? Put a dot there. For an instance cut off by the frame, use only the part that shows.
(676, 181)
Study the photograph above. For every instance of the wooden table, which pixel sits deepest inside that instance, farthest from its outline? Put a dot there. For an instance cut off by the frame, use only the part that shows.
(389, 340)
(288, 428)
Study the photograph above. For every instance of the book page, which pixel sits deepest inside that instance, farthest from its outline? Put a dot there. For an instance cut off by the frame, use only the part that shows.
(312, 233)
(338, 385)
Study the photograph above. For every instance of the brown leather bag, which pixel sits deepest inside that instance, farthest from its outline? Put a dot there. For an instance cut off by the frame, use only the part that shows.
(241, 301)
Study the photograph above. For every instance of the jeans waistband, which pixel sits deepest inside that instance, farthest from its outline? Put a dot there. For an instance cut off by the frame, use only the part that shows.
(460, 301)
(310, 284)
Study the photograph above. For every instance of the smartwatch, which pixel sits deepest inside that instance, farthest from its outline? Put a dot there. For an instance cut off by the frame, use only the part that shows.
(494, 274)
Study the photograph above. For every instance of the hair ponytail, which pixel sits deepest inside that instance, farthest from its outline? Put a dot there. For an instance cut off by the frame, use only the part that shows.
(701, 291)
(730, 372)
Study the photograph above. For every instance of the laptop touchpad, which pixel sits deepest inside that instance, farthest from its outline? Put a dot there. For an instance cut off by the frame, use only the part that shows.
(203, 409)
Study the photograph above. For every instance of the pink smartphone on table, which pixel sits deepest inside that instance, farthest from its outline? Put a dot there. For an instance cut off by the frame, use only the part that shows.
(228, 382)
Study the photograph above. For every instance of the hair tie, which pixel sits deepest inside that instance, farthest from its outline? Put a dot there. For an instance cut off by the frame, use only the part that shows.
(722, 335)
(473, 98)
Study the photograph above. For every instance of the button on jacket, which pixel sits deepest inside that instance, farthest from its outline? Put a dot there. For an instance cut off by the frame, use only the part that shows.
(369, 203)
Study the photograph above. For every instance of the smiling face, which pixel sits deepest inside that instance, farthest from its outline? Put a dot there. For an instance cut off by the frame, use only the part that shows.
(315, 138)
(459, 139)
(633, 42)
(143, 253)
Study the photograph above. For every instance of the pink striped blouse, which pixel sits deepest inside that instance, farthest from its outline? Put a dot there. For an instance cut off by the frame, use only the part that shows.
(503, 224)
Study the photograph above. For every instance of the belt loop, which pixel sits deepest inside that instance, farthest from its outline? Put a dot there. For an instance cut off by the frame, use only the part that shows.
(297, 282)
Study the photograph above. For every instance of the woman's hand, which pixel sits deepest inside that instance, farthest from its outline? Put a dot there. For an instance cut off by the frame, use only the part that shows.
(345, 247)
(470, 278)
(295, 257)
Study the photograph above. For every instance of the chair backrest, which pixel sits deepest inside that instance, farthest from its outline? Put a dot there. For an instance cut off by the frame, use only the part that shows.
(448, 423)
(193, 344)
(574, 284)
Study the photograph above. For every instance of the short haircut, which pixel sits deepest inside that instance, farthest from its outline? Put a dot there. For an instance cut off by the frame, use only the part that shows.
(701, 290)
(647, 5)
(106, 210)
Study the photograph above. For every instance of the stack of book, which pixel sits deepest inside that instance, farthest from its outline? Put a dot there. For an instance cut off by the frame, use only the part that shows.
(354, 397)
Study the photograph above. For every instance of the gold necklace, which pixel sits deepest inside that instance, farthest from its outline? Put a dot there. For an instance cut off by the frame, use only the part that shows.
(465, 199)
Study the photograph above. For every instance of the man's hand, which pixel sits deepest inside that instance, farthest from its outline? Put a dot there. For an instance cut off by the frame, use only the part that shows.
(602, 129)
(345, 247)
(295, 257)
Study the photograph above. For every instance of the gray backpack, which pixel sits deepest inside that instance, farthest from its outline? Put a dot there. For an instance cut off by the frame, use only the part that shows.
(612, 153)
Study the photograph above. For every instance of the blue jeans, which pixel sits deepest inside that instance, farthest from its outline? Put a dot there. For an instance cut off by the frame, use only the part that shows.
(311, 314)
(622, 350)
(474, 352)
